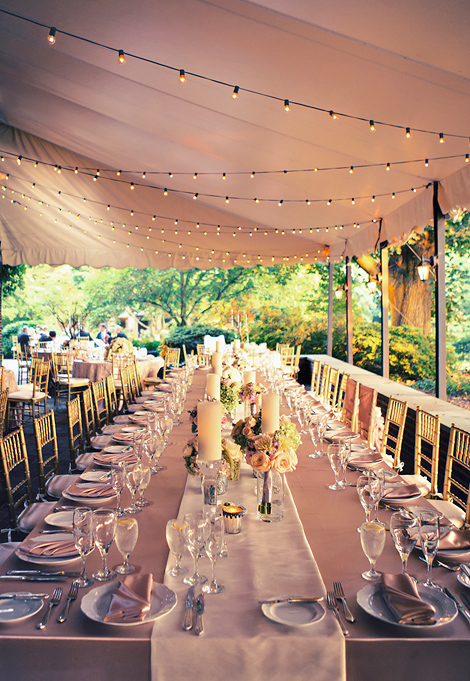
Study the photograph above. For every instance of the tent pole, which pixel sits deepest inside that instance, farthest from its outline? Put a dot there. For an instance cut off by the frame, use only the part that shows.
(1, 296)
(329, 337)
(349, 319)
(385, 310)
(440, 295)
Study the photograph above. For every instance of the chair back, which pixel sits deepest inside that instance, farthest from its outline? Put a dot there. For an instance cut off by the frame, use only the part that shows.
(427, 437)
(457, 475)
(100, 401)
(47, 450)
(41, 377)
(331, 392)
(16, 477)
(112, 396)
(88, 416)
(74, 416)
(3, 409)
(366, 412)
(136, 378)
(126, 393)
(351, 403)
(324, 379)
(341, 393)
(393, 431)
(316, 374)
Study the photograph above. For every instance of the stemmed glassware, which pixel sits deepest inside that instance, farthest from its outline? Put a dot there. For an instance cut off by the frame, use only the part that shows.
(429, 535)
(213, 549)
(134, 474)
(176, 543)
(404, 530)
(316, 429)
(127, 532)
(376, 487)
(144, 483)
(335, 457)
(84, 541)
(195, 533)
(373, 542)
(104, 529)
(137, 440)
(363, 492)
(118, 482)
(346, 457)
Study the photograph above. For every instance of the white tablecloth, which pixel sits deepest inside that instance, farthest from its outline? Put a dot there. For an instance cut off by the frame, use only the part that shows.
(239, 643)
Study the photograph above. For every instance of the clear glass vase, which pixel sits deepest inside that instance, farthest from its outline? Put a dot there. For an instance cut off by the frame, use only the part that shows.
(270, 496)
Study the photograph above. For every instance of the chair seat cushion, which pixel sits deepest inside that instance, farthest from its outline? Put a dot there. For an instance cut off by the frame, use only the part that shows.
(152, 380)
(58, 483)
(84, 460)
(26, 396)
(74, 382)
(452, 512)
(34, 514)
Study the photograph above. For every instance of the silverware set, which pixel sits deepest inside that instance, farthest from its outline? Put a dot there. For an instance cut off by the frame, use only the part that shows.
(193, 612)
(55, 600)
(333, 606)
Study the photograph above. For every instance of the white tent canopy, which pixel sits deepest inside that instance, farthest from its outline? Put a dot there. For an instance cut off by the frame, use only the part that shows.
(74, 105)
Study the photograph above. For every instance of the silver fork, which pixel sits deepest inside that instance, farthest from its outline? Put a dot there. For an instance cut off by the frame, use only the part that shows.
(339, 593)
(333, 605)
(71, 596)
(55, 600)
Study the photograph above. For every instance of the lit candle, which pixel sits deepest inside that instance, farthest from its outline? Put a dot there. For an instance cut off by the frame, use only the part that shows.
(209, 416)
(236, 344)
(249, 377)
(213, 386)
(217, 363)
(269, 412)
(220, 346)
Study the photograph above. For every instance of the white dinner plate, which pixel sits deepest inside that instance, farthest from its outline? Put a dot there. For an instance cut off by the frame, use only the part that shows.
(95, 476)
(115, 449)
(62, 519)
(294, 614)
(52, 562)
(12, 610)
(131, 429)
(95, 604)
(123, 438)
(89, 501)
(371, 600)
(401, 500)
(359, 448)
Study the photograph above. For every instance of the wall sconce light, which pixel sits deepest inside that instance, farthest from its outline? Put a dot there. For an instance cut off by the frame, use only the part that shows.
(426, 266)
(340, 290)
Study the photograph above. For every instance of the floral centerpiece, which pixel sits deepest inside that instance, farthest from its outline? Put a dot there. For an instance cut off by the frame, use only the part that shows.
(229, 394)
(120, 346)
(225, 421)
(231, 454)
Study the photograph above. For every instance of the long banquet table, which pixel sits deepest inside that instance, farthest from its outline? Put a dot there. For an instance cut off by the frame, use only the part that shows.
(66, 652)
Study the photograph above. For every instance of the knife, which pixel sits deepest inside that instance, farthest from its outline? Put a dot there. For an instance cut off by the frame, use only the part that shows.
(271, 601)
(42, 573)
(188, 613)
(25, 597)
(461, 608)
(34, 578)
(465, 599)
(199, 628)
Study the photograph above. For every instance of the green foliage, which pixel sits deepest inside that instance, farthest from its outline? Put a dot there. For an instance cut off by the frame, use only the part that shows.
(12, 278)
(458, 385)
(152, 346)
(191, 336)
(9, 333)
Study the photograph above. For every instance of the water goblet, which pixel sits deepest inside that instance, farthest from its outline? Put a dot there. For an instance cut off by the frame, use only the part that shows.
(134, 475)
(346, 457)
(118, 482)
(316, 431)
(335, 457)
(363, 492)
(195, 534)
(127, 532)
(213, 548)
(404, 530)
(104, 529)
(373, 542)
(376, 487)
(176, 543)
(429, 535)
(167, 425)
(84, 542)
(144, 483)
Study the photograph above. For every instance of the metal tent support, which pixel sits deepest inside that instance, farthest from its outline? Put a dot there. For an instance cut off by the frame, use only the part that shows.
(440, 295)
(329, 337)
(385, 310)
(349, 317)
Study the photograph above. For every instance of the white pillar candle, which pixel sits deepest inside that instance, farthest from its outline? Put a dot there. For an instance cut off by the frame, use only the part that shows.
(236, 344)
(269, 412)
(209, 416)
(213, 387)
(220, 346)
(217, 363)
(249, 377)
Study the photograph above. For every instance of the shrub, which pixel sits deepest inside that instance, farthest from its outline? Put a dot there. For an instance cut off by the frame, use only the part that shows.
(9, 332)
(192, 336)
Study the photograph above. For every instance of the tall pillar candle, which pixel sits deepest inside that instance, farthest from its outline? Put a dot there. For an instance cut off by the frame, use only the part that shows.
(249, 377)
(209, 416)
(269, 412)
(220, 346)
(236, 344)
(213, 387)
(217, 363)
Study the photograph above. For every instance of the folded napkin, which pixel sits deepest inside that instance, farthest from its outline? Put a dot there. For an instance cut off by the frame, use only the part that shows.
(91, 491)
(455, 539)
(400, 491)
(123, 437)
(401, 595)
(107, 459)
(53, 549)
(130, 602)
(340, 435)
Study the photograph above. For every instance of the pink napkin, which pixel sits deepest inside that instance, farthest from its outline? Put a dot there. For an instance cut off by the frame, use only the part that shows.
(123, 437)
(401, 491)
(401, 595)
(130, 602)
(364, 459)
(91, 491)
(455, 539)
(53, 549)
(106, 459)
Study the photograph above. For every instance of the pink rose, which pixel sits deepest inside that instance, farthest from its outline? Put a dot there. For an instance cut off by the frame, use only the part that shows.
(260, 462)
(284, 461)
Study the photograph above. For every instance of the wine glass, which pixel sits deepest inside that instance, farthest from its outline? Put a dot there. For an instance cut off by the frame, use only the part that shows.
(213, 548)
(127, 532)
(166, 425)
(137, 442)
(195, 533)
(335, 457)
(376, 487)
(146, 475)
(134, 474)
(429, 535)
(84, 542)
(118, 482)
(363, 492)
(373, 542)
(316, 431)
(104, 529)
(176, 543)
(346, 457)
(404, 531)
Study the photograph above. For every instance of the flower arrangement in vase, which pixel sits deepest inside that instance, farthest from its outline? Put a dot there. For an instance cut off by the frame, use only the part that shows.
(120, 346)
(231, 455)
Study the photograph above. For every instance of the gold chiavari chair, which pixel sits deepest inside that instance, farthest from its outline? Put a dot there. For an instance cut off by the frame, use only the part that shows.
(366, 412)
(203, 356)
(341, 394)
(100, 402)
(427, 437)
(455, 502)
(3, 410)
(51, 484)
(29, 401)
(325, 374)
(351, 404)
(172, 360)
(331, 392)
(126, 393)
(112, 397)
(393, 432)
(79, 460)
(316, 374)
(88, 416)
(64, 382)
(24, 514)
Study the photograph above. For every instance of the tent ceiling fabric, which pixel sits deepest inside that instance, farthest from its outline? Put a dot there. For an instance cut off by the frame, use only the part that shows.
(73, 104)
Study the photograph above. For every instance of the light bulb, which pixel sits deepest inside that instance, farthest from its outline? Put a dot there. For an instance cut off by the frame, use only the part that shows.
(333, 115)
(441, 138)
(131, 186)
(18, 160)
(195, 196)
(235, 92)
(227, 200)
(144, 175)
(182, 75)
(426, 162)
(121, 57)
(286, 105)
(252, 174)
(372, 125)
(165, 192)
(351, 169)
(388, 166)
(224, 176)
(408, 133)
(51, 36)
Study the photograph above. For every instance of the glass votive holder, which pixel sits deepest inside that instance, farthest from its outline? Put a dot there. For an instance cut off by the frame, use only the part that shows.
(232, 518)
